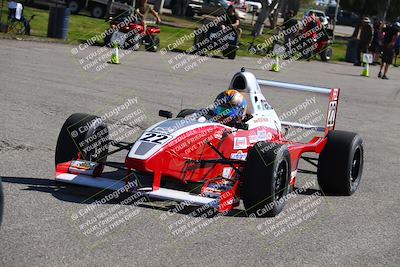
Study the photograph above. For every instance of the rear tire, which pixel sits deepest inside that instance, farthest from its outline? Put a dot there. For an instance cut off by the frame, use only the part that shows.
(80, 135)
(107, 40)
(231, 54)
(340, 163)
(152, 43)
(326, 55)
(74, 6)
(266, 179)
(98, 11)
(189, 12)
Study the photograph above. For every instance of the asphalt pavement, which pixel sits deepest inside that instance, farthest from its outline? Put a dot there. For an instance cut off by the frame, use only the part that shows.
(43, 83)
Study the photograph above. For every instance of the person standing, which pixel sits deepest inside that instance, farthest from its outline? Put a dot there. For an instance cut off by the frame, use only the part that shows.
(396, 50)
(290, 28)
(391, 34)
(233, 20)
(142, 9)
(16, 13)
(377, 41)
(364, 34)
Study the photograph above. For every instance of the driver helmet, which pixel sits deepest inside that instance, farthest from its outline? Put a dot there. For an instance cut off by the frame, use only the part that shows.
(230, 106)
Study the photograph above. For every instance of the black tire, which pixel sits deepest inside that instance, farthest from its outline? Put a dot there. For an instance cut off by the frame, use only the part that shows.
(341, 163)
(107, 40)
(152, 43)
(266, 179)
(1, 202)
(198, 48)
(232, 54)
(74, 6)
(189, 12)
(98, 11)
(80, 135)
(131, 43)
(326, 55)
(186, 112)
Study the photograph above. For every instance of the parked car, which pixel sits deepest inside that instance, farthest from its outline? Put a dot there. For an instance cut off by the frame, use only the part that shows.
(325, 2)
(347, 18)
(97, 8)
(213, 7)
(319, 14)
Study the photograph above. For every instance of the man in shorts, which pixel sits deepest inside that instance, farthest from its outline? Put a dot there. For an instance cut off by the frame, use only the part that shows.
(391, 34)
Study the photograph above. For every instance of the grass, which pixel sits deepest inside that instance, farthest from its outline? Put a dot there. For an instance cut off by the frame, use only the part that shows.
(82, 27)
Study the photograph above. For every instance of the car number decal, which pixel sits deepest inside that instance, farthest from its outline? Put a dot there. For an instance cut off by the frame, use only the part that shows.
(154, 138)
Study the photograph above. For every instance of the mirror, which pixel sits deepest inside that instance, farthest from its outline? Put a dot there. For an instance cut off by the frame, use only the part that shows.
(165, 114)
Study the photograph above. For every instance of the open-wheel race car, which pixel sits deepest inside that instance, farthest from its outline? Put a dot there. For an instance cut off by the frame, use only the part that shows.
(195, 159)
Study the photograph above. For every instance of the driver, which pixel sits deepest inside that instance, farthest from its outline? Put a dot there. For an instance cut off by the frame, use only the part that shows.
(230, 108)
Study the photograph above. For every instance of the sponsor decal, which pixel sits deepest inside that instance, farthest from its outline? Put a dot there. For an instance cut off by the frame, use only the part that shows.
(226, 172)
(85, 167)
(218, 135)
(261, 120)
(240, 143)
(262, 135)
(163, 130)
(269, 136)
(253, 139)
(239, 155)
(331, 114)
(201, 119)
(335, 94)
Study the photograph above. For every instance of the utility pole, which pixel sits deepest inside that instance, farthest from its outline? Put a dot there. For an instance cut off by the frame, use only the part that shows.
(386, 9)
(335, 18)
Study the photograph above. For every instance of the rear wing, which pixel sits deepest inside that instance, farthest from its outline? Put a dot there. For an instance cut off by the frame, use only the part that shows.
(332, 106)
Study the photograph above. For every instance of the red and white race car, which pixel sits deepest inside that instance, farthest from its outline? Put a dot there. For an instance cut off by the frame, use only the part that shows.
(193, 159)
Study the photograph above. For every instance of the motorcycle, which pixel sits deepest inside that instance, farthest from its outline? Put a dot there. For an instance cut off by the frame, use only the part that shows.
(224, 39)
(130, 33)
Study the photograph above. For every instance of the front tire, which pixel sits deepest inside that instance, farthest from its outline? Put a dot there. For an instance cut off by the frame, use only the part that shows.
(340, 163)
(266, 179)
(82, 134)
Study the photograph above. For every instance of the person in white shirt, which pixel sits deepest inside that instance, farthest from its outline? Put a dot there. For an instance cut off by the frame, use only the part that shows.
(16, 13)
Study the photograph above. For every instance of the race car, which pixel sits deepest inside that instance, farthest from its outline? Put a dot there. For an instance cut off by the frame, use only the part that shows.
(194, 159)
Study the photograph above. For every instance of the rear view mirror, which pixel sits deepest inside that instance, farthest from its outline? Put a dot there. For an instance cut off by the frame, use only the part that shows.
(165, 114)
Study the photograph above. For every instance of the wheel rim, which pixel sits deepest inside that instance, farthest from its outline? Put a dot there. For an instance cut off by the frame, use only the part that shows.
(97, 12)
(281, 175)
(356, 166)
(329, 54)
(73, 6)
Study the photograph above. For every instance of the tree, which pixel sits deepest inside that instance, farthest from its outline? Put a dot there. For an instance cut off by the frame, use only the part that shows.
(373, 8)
(262, 17)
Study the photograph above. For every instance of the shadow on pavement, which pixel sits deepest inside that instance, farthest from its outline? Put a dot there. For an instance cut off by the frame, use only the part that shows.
(87, 195)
